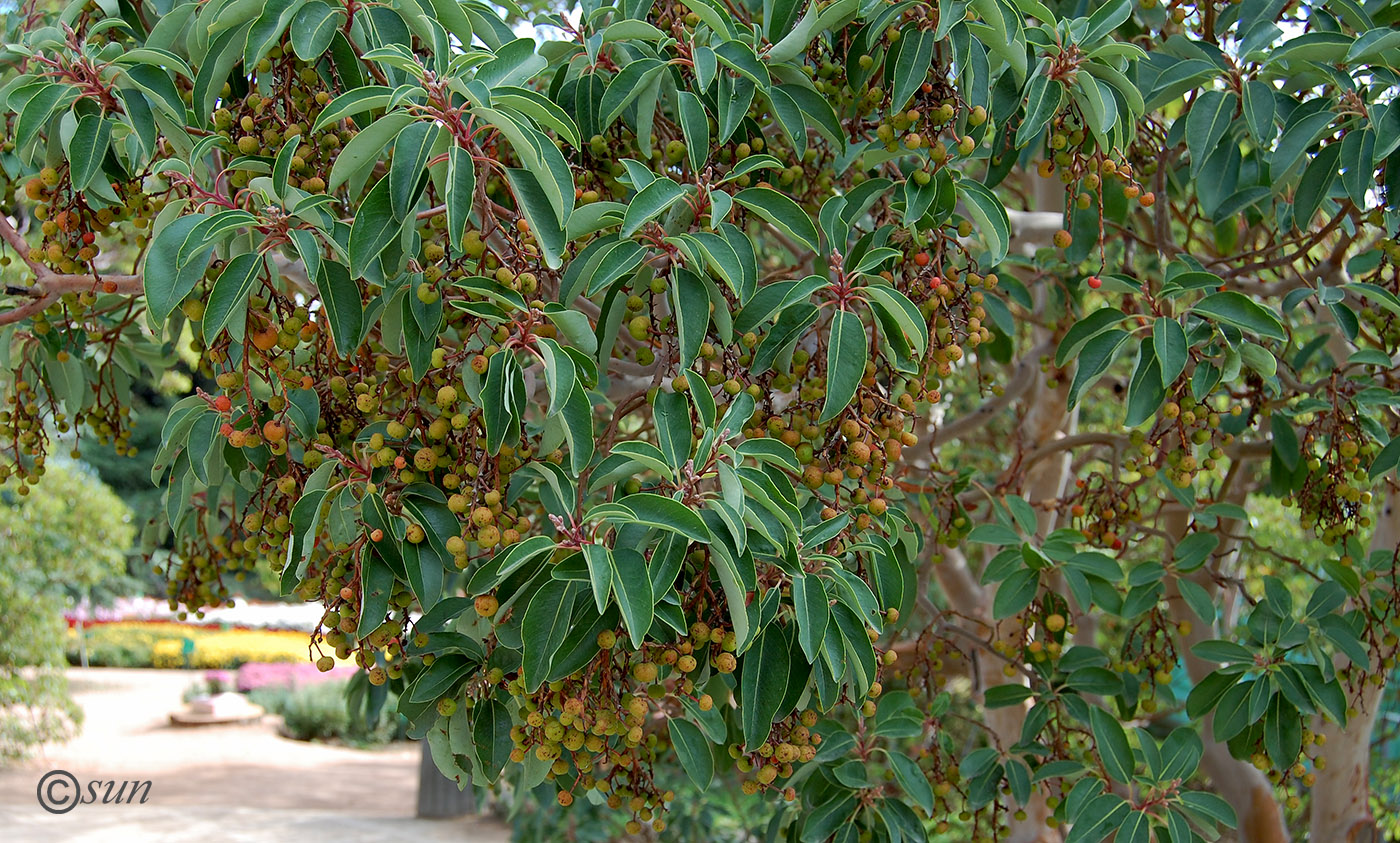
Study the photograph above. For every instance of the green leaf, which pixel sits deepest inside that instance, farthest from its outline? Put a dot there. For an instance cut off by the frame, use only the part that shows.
(845, 362)
(439, 678)
(913, 58)
(1259, 111)
(1043, 99)
(912, 779)
(1241, 311)
(364, 149)
(632, 30)
(167, 281)
(813, 613)
(36, 112)
(1198, 599)
(632, 586)
(671, 414)
(740, 57)
(340, 299)
(1105, 19)
(1136, 828)
(1098, 818)
(412, 149)
(1169, 341)
(268, 29)
(735, 595)
(454, 19)
(988, 217)
(1231, 709)
(461, 187)
(560, 373)
(1300, 132)
(1318, 178)
(1095, 358)
(649, 203)
(542, 160)
(544, 628)
(229, 294)
(539, 213)
(1388, 458)
(1193, 550)
(693, 750)
(1145, 390)
(87, 148)
(764, 677)
(353, 103)
(1015, 593)
(1086, 329)
(491, 725)
(1206, 694)
(785, 215)
(1209, 805)
(695, 124)
(901, 311)
(375, 227)
(1111, 743)
(313, 27)
(1283, 732)
(1210, 117)
(625, 87)
(690, 302)
(376, 585)
(658, 511)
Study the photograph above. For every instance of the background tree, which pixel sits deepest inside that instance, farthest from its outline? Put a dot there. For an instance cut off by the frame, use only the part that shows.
(58, 539)
(862, 396)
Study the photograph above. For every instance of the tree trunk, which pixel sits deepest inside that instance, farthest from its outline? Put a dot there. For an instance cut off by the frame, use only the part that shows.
(438, 796)
(1341, 808)
(1238, 782)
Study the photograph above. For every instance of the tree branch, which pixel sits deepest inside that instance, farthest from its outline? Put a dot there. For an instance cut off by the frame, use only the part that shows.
(49, 285)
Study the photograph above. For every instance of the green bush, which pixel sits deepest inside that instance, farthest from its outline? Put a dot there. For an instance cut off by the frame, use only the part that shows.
(319, 713)
(67, 532)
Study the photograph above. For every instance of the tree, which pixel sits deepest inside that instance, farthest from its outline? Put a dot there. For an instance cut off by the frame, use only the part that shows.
(862, 396)
(61, 536)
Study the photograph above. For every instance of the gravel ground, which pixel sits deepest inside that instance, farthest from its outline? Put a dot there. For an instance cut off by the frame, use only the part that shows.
(237, 783)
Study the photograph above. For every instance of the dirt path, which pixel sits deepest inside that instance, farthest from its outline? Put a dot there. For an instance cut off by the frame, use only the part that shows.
(237, 783)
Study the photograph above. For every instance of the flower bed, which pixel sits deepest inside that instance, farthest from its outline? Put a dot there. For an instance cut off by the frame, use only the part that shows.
(254, 676)
(177, 645)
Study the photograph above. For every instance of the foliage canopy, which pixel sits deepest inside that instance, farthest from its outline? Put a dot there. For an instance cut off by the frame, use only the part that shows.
(719, 381)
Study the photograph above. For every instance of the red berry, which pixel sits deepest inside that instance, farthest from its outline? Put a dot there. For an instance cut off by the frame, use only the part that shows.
(222, 404)
(1095, 282)
(225, 430)
(921, 258)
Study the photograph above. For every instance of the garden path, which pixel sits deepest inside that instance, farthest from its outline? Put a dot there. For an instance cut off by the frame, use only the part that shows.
(234, 783)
